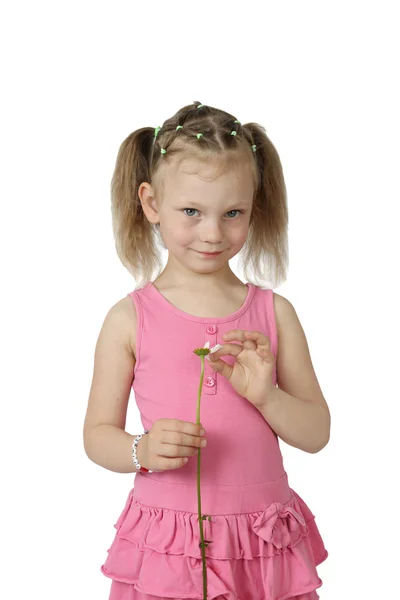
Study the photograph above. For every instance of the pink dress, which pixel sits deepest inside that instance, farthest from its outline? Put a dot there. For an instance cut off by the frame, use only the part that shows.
(265, 544)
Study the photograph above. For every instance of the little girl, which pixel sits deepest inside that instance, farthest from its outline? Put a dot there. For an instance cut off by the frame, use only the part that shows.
(205, 187)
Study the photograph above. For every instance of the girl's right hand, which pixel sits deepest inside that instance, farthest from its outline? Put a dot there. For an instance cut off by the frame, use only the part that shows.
(168, 442)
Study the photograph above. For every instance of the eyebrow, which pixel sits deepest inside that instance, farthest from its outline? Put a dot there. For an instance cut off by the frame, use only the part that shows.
(240, 204)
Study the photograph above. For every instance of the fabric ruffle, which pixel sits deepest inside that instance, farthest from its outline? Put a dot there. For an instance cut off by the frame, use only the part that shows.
(157, 550)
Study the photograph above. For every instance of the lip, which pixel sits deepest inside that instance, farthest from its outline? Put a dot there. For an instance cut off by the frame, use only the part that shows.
(210, 253)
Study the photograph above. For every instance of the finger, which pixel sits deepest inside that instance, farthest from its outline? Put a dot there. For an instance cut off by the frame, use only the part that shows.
(217, 365)
(250, 344)
(175, 450)
(225, 349)
(242, 334)
(220, 366)
(266, 354)
(168, 464)
(182, 439)
(182, 426)
(259, 338)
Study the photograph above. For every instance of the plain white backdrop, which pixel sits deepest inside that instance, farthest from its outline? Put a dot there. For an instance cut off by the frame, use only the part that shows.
(77, 78)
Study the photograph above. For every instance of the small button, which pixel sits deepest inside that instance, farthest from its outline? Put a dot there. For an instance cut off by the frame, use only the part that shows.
(211, 328)
(209, 381)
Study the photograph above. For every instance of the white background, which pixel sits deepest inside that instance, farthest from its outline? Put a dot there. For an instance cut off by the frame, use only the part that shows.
(77, 78)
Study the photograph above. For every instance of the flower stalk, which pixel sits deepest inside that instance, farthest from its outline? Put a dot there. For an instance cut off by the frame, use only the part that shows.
(202, 352)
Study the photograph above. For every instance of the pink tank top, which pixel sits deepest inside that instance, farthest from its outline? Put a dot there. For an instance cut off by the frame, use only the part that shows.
(253, 513)
(167, 377)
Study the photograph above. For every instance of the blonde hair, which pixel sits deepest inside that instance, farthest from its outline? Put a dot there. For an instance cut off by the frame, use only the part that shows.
(140, 160)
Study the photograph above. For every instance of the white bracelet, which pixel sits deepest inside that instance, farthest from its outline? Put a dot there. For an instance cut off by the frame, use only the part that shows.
(135, 459)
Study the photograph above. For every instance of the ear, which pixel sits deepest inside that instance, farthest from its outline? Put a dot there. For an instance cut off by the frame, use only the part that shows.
(148, 202)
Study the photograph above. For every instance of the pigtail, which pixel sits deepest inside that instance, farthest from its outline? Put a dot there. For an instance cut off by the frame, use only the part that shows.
(135, 237)
(267, 245)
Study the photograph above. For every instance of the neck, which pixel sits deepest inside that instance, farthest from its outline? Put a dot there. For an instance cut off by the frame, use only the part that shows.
(173, 277)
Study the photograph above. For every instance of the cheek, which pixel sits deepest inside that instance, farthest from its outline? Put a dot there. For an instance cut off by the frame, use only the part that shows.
(238, 236)
(180, 231)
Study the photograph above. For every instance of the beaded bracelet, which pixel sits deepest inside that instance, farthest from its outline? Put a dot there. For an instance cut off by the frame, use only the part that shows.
(134, 449)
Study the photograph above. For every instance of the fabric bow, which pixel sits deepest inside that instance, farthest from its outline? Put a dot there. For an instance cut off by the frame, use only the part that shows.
(277, 525)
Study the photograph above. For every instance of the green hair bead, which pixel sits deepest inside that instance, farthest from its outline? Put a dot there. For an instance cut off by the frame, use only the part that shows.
(233, 132)
(157, 130)
(163, 151)
(199, 134)
(179, 127)
(237, 122)
(254, 147)
(200, 105)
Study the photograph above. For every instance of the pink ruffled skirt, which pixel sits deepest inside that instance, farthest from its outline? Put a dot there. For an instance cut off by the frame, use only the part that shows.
(264, 543)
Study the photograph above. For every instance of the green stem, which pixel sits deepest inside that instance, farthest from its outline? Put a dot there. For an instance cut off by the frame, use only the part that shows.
(203, 552)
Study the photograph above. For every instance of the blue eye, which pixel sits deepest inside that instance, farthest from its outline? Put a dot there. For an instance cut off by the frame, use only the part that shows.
(195, 209)
(188, 209)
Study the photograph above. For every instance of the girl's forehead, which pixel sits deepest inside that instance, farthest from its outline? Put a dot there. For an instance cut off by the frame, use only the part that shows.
(196, 183)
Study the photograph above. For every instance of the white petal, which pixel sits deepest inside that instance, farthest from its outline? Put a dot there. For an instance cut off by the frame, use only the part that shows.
(217, 347)
(206, 345)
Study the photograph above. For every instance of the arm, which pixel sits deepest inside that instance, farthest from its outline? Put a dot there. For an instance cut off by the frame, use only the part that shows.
(111, 448)
(297, 410)
(106, 442)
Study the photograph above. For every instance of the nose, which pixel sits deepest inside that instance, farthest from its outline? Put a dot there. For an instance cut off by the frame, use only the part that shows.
(210, 232)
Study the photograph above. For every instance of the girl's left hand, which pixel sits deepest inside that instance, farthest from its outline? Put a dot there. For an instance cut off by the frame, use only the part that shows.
(251, 373)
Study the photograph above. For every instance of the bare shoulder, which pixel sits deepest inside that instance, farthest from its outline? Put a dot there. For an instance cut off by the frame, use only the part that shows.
(285, 314)
(122, 319)
(280, 304)
(294, 367)
(125, 311)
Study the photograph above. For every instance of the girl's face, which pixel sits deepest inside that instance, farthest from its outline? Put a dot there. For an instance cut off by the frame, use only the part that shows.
(203, 210)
